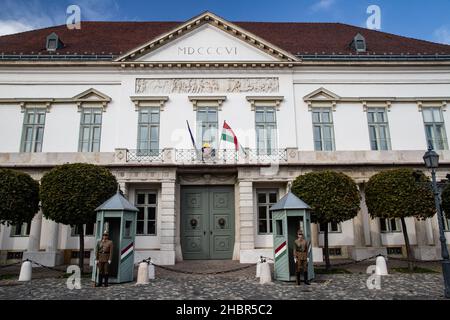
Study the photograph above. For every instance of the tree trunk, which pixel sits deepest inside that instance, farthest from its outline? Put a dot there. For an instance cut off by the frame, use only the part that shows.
(409, 254)
(327, 253)
(81, 253)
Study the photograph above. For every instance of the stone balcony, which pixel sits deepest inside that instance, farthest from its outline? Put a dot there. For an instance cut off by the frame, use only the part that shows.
(170, 156)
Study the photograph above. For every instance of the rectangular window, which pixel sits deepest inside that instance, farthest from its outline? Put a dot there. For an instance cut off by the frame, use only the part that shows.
(90, 130)
(33, 129)
(146, 218)
(14, 255)
(396, 251)
(21, 231)
(266, 130)
(323, 129)
(127, 233)
(378, 129)
(148, 131)
(279, 225)
(333, 227)
(207, 126)
(435, 128)
(390, 225)
(88, 230)
(265, 199)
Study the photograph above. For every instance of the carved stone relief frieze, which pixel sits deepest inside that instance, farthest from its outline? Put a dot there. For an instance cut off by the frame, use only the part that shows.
(207, 85)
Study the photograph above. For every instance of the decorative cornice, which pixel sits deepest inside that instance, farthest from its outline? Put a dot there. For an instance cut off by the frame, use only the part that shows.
(88, 97)
(149, 101)
(274, 101)
(213, 101)
(424, 103)
(330, 98)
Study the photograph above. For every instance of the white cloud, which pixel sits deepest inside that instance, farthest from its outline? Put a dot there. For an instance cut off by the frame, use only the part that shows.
(442, 34)
(11, 26)
(322, 5)
(22, 15)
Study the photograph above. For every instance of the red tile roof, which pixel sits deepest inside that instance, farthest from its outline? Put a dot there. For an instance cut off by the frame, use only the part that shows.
(117, 38)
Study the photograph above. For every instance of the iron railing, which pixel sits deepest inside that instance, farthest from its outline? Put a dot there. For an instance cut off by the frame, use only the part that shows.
(156, 155)
(222, 156)
(267, 156)
(210, 156)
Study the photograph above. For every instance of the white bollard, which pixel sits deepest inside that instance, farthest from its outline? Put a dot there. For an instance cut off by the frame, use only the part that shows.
(265, 276)
(258, 269)
(25, 271)
(381, 268)
(142, 277)
(151, 271)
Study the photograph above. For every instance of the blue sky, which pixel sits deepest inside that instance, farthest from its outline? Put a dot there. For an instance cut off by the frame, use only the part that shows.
(429, 20)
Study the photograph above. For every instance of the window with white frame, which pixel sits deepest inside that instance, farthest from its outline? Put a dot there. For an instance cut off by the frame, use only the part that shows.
(435, 128)
(87, 228)
(266, 130)
(33, 129)
(90, 129)
(266, 199)
(22, 230)
(207, 126)
(390, 225)
(148, 130)
(323, 129)
(333, 227)
(146, 203)
(378, 129)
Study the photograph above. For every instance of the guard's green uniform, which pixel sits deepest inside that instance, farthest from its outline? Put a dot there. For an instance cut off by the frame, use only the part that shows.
(301, 254)
(103, 256)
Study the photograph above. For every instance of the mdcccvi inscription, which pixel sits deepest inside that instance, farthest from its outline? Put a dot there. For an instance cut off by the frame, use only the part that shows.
(207, 85)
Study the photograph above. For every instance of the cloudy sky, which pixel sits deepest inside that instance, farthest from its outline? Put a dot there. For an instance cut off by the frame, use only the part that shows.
(413, 18)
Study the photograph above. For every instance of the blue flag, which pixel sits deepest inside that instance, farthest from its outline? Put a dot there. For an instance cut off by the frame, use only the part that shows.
(192, 137)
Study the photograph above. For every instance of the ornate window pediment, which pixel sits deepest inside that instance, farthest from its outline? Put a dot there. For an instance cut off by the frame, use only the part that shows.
(322, 97)
(207, 101)
(265, 101)
(91, 98)
(149, 101)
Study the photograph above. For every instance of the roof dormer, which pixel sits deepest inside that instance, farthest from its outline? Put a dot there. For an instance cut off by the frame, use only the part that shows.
(53, 42)
(359, 43)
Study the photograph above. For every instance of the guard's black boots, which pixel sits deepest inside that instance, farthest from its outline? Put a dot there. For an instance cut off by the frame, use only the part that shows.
(298, 278)
(106, 280)
(100, 280)
(305, 275)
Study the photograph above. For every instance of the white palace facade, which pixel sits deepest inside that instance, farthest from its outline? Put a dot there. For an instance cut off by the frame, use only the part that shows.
(299, 97)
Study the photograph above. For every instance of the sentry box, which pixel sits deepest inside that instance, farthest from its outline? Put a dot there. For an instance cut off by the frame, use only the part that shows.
(288, 215)
(118, 217)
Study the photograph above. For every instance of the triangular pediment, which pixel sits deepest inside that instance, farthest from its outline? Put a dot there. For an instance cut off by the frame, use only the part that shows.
(321, 94)
(207, 38)
(92, 95)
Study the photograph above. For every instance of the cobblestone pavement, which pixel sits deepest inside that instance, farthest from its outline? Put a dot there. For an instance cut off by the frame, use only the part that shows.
(238, 285)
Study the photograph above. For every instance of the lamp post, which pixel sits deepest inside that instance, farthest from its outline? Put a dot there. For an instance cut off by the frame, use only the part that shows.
(431, 159)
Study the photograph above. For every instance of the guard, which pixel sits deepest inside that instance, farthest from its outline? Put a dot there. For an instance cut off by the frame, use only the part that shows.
(301, 257)
(103, 258)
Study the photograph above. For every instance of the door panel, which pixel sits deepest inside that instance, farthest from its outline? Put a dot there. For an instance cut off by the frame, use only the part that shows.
(221, 222)
(194, 223)
(207, 222)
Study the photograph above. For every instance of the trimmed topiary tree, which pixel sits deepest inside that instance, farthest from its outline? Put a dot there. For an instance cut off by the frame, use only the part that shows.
(70, 194)
(333, 197)
(19, 197)
(400, 193)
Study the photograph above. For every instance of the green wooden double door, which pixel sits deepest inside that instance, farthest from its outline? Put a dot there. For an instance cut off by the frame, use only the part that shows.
(207, 222)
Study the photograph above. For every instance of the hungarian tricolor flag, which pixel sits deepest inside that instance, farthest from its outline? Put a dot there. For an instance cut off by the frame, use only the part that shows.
(229, 136)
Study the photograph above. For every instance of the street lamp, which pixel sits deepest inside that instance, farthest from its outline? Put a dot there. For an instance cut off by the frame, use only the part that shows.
(431, 159)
